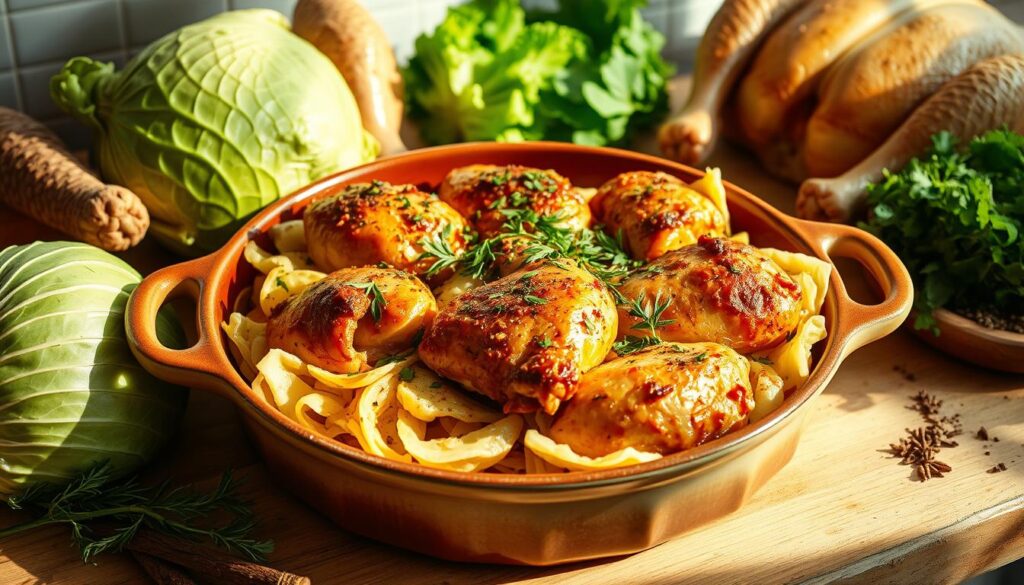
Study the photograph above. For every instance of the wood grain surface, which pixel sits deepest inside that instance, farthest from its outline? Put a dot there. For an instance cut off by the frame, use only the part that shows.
(843, 510)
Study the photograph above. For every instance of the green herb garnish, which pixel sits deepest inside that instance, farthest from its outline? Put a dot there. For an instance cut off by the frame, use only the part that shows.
(377, 301)
(407, 374)
(633, 344)
(649, 313)
(125, 507)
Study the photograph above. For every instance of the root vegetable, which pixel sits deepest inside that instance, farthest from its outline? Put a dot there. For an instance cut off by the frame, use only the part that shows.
(351, 38)
(41, 179)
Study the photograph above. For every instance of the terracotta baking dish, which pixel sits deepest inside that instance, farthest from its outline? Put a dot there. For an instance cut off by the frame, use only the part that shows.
(537, 519)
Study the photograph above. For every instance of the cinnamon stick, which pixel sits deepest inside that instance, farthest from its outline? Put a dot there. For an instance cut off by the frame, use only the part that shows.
(162, 573)
(210, 563)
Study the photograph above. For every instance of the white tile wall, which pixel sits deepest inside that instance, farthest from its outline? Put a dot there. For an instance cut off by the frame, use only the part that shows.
(37, 36)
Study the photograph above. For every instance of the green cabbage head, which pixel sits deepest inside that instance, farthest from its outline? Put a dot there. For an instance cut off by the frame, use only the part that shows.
(213, 122)
(71, 393)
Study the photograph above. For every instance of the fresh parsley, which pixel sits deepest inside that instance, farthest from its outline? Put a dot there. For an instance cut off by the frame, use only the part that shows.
(955, 218)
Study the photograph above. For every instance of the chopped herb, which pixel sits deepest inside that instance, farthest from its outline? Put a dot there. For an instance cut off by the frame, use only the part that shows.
(633, 344)
(405, 203)
(700, 357)
(392, 359)
(281, 283)
(377, 301)
(733, 269)
(763, 361)
(534, 300)
(544, 342)
(407, 374)
(436, 384)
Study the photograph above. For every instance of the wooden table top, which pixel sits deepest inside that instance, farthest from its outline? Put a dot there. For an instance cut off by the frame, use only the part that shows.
(842, 510)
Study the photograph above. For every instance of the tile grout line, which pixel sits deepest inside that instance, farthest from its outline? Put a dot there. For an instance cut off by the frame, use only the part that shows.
(122, 12)
(19, 99)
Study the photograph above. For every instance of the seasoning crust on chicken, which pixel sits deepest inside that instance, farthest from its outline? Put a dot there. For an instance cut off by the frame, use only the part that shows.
(716, 290)
(664, 399)
(368, 223)
(656, 213)
(480, 192)
(525, 339)
(352, 318)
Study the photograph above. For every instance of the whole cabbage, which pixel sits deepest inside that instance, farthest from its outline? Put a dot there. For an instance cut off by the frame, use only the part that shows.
(213, 122)
(71, 393)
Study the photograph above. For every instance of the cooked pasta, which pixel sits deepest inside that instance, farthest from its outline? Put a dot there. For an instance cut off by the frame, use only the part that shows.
(396, 407)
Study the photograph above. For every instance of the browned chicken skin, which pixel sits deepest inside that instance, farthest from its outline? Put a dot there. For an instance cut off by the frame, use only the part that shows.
(524, 339)
(480, 192)
(332, 325)
(376, 222)
(717, 290)
(664, 399)
(656, 213)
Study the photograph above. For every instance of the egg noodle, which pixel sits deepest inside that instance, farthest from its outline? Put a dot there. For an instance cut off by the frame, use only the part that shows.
(403, 411)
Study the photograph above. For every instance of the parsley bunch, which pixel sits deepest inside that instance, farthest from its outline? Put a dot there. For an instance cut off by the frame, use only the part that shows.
(955, 218)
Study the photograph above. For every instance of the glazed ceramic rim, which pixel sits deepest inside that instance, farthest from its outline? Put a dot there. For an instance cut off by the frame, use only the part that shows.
(224, 262)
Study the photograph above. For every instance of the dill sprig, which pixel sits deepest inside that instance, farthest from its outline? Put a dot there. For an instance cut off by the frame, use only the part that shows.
(126, 507)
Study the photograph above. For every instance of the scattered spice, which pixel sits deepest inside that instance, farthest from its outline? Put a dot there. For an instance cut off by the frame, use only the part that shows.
(903, 371)
(920, 445)
(998, 468)
(982, 434)
(994, 319)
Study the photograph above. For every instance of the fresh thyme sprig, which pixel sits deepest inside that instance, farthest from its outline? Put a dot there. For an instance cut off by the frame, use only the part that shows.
(127, 506)
(377, 301)
(649, 313)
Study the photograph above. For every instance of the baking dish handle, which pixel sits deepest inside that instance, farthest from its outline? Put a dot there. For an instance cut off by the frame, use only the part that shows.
(860, 324)
(199, 366)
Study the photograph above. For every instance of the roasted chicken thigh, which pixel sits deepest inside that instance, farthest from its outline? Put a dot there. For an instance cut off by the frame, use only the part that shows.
(352, 318)
(656, 213)
(368, 223)
(663, 399)
(481, 192)
(524, 339)
(716, 290)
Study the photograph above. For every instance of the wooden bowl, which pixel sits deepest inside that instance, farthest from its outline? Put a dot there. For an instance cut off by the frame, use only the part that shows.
(537, 519)
(966, 340)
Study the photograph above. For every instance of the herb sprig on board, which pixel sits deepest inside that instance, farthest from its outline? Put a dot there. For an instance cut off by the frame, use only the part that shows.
(955, 218)
(125, 507)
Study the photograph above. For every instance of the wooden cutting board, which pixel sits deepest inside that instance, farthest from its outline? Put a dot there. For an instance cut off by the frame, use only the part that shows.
(842, 510)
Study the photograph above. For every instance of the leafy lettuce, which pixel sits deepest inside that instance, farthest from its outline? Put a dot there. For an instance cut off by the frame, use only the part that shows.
(588, 72)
